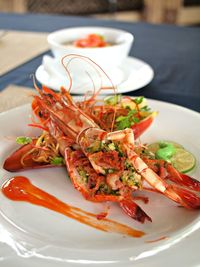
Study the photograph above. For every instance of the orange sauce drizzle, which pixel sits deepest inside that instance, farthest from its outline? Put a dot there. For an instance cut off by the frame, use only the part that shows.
(19, 188)
(156, 240)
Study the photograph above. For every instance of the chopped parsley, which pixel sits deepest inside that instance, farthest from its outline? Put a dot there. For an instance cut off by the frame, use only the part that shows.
(130, 177)
(83, 174)
(127, 164)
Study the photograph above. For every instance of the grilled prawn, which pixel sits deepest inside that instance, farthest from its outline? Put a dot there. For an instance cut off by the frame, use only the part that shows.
(102, 164)
(111, 154)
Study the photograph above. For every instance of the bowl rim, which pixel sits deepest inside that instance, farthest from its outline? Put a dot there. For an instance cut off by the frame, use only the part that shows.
(51, 40)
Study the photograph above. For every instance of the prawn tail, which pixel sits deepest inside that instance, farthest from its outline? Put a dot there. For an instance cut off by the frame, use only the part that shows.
(134, 211)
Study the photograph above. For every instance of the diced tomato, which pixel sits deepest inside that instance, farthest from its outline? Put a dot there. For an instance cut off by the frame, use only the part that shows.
(92, 40)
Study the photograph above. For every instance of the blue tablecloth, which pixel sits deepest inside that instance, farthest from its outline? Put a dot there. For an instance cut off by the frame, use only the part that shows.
(173, 52)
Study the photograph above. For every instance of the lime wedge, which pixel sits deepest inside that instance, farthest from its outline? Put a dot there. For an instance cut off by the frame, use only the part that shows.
(183, 160)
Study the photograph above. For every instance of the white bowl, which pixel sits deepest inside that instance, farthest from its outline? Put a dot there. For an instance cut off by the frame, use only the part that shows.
(107, 57)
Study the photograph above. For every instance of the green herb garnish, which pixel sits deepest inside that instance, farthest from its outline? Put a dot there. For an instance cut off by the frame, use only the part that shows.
(112, 100)
(57, 161)
(139, 99)
(145, 108)
(124, 122)
(128, 165)
(23, 140)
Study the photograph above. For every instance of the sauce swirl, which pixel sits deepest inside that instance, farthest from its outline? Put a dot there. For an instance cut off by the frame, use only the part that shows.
(19, 188)
(156, 240)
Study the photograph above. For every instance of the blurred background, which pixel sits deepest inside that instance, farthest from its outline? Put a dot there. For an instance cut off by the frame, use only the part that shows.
(180, 12)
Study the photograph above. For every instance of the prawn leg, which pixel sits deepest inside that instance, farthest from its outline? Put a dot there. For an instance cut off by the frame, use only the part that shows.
(168, 172)
(182, 196)
(182, 179)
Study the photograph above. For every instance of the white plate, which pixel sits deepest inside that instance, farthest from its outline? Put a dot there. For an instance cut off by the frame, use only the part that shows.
(42, 237)
(132, 75)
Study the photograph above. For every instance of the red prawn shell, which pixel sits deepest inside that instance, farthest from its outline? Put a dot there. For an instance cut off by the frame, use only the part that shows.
(13, 162)
(142, 126)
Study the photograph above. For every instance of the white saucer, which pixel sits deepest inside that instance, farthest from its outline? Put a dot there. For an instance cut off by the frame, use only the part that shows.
(132, 75)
